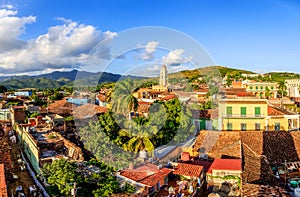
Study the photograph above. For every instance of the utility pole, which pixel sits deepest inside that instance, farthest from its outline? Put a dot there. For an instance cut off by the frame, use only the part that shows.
(74, 190)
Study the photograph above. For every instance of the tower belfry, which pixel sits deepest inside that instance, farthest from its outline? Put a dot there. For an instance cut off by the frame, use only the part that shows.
(163, 80)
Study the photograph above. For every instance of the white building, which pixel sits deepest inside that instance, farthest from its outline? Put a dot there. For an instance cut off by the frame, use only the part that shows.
(293, 87)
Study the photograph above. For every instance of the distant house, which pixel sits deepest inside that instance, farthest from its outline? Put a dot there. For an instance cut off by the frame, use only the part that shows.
(293, 88)
(23, 92)
(18, 114)
(260, 89)
(78, 101)
(88, 111)
(147, 179)
(61, 107)
(224, 170)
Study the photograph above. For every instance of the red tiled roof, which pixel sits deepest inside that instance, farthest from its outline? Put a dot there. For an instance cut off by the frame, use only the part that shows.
(169, 97)
(188, 170)
(274, 112)
(147, 174)
(102, 97)
(3, 191)
(226, 164)
(88, 110)
(61, 104)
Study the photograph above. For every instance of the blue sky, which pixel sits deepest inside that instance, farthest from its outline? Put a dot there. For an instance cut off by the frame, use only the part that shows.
(257, 35)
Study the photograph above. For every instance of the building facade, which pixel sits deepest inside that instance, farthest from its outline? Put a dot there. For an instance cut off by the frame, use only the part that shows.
(293, 87)
(254, 115)
(262, 89)
(242, 114)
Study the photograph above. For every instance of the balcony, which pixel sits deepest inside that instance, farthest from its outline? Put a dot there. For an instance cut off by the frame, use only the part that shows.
(243, 116)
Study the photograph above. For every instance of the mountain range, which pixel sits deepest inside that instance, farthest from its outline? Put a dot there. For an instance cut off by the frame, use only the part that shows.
(60, 78)
(84, 78)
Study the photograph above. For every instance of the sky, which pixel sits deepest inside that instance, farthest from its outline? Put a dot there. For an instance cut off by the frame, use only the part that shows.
(137, 37)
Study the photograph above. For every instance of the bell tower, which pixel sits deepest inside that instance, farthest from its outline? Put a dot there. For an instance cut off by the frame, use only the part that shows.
(163, 80)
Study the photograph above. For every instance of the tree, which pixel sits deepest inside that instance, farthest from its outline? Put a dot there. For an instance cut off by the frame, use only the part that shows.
(95, 139)
(122, 99)
(282, 87)
(61, 174)
(267, 92)
(2, 89)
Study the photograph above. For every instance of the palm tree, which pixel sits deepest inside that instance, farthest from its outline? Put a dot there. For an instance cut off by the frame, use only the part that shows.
(122, 100)
(282, 87)
(141, 132)
(267, 93)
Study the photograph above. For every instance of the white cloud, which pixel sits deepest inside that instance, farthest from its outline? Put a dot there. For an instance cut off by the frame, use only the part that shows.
(11, 27)
(150, 49)
(62, 47)
(174, 58)
(155, 68)
(8, 6)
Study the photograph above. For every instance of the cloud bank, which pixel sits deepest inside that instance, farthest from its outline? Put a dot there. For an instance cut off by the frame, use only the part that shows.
(63, 46)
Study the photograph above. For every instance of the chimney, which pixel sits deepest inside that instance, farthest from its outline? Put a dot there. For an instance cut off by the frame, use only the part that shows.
(130, 166)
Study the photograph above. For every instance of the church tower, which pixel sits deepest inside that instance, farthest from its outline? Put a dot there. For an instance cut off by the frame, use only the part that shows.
(163, 80)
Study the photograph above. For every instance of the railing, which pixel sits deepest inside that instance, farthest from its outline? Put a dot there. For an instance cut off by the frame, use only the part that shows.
(243, 116)
(37, 182)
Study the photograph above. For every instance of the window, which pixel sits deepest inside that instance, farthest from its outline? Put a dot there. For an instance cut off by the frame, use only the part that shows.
(277, 126)
(257, 126)
(251, 87)
(257, 111)
(243, 111)
(243, 127)
(151, 190)
(229, 111)
(229, 126)
(256, 87)
(272, 87)
(261, 87)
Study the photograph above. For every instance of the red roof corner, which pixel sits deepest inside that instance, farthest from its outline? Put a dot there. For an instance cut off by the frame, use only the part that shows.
(226, 164)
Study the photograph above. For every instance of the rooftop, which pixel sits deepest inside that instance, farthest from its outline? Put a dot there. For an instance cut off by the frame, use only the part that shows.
(226, 164)
(148, 174)
(190, 170)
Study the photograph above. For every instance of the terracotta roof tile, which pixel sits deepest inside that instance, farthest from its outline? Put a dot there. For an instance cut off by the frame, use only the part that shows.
(88, 110)
(147, 174)
(188, 170)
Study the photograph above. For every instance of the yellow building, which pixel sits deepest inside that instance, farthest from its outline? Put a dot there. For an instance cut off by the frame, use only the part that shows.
(242, 114)
(254, 114)
(262, 89)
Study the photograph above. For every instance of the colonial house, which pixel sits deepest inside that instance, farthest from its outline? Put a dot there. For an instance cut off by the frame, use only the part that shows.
(242, 114)
(262, 89)
(254, 114)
